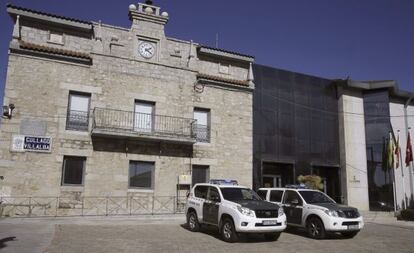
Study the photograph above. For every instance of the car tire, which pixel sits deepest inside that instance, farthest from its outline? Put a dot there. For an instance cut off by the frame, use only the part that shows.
(192, 222)
(350, 234)
(315, 228)
(272, 236)
(228, 231)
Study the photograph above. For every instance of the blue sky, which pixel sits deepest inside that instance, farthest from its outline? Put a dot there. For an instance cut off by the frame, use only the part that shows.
(365, 40)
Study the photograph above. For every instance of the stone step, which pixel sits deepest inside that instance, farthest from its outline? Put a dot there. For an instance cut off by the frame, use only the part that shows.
(378, 215)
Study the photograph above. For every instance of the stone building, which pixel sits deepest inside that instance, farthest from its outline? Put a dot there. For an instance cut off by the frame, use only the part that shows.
(99, 110)
(94, 111)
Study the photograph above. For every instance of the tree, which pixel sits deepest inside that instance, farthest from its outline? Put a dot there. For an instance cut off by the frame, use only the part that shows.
(311, 181)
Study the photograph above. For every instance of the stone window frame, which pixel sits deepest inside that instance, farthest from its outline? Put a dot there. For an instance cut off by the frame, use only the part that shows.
(56, 32)
(152, 187)
(64, 168)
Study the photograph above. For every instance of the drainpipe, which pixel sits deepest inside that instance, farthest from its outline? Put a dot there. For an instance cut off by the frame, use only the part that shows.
(407, 129)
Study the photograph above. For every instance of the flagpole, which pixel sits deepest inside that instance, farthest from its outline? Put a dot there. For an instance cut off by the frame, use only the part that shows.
(410, 170)
(407, 131)
(402, 172)
(393, 181)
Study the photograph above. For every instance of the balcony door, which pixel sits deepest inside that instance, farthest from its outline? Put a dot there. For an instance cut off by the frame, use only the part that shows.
(78, 112)
(144, 116)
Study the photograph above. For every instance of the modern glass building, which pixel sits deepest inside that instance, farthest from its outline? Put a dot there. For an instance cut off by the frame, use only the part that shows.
(295, 129)
(336, 129)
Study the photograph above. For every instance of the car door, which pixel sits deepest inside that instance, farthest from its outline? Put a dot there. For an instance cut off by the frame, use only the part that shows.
(211, 206)
(200, 196)
(293, 207)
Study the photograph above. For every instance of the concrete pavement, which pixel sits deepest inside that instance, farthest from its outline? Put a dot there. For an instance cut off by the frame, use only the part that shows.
(166, 233)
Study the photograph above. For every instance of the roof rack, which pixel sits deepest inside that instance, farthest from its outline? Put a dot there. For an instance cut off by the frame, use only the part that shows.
(296, 186)
(223, 182)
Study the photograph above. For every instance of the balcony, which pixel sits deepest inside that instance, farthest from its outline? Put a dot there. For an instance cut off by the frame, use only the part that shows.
(141, 126)
(77, 120)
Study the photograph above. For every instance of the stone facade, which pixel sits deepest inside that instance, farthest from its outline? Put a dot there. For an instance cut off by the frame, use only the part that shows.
(41, 76)
(354, 180)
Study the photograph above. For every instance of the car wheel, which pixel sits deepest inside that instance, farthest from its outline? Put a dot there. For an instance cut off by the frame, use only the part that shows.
(228, 232)
(315, 228)
(351, 234)
(192, 222)
(272, 236)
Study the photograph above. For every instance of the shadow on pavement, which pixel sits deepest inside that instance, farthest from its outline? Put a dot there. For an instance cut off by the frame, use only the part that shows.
(302, 233)
(6, 239)
(243, 238)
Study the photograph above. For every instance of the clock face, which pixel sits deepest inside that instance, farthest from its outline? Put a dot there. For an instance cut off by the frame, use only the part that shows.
(146, 49)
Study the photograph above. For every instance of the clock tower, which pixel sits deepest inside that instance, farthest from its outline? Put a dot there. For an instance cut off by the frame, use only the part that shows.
(148, 19)
(148, 24)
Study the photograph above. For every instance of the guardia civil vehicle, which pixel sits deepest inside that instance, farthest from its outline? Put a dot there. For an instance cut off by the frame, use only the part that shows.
(233, 209)
(314, 211)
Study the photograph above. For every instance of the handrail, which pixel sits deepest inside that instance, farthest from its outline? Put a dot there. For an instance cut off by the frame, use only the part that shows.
(114, 120)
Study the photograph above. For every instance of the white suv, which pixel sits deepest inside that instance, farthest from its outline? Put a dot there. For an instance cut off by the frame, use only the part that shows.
(315, 211)
(233, 209)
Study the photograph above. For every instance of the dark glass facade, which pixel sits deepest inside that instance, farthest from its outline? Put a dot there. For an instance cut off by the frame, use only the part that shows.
(377, 130)
(295, 127)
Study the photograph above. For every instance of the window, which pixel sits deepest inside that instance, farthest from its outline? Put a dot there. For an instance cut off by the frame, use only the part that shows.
(312, 197)
(291, 196)
(213, 194)
(201, 191)
(73, 170)
(144, 116)
(233, 194)
(55, 37)
(141, 175)
(202, 125)
(276, 196)
(200, 174)
(78, 112)
(262, 194)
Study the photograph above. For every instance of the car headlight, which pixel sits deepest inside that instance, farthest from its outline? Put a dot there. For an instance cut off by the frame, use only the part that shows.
(245, 211)
(332, 213)
(280, 212)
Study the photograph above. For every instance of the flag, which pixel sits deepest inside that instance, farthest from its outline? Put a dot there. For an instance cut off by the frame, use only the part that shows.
(390, 153)
(409, 152)
(397, 153)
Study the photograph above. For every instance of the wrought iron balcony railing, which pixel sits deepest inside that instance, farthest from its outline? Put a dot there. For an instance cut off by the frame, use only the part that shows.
(77, 120)
(128, 123)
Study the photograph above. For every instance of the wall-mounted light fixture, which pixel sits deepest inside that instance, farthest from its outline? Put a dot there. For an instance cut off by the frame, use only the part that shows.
(8, 110)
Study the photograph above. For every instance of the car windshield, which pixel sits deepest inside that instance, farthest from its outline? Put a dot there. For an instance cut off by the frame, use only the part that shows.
(239, 194)
(312, 197)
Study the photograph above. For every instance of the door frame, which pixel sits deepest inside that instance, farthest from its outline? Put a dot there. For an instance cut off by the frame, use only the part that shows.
(277, 179)
(288, 162)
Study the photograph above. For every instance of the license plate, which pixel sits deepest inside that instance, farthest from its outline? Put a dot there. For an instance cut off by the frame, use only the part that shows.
(269, 222)
(353, 227)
